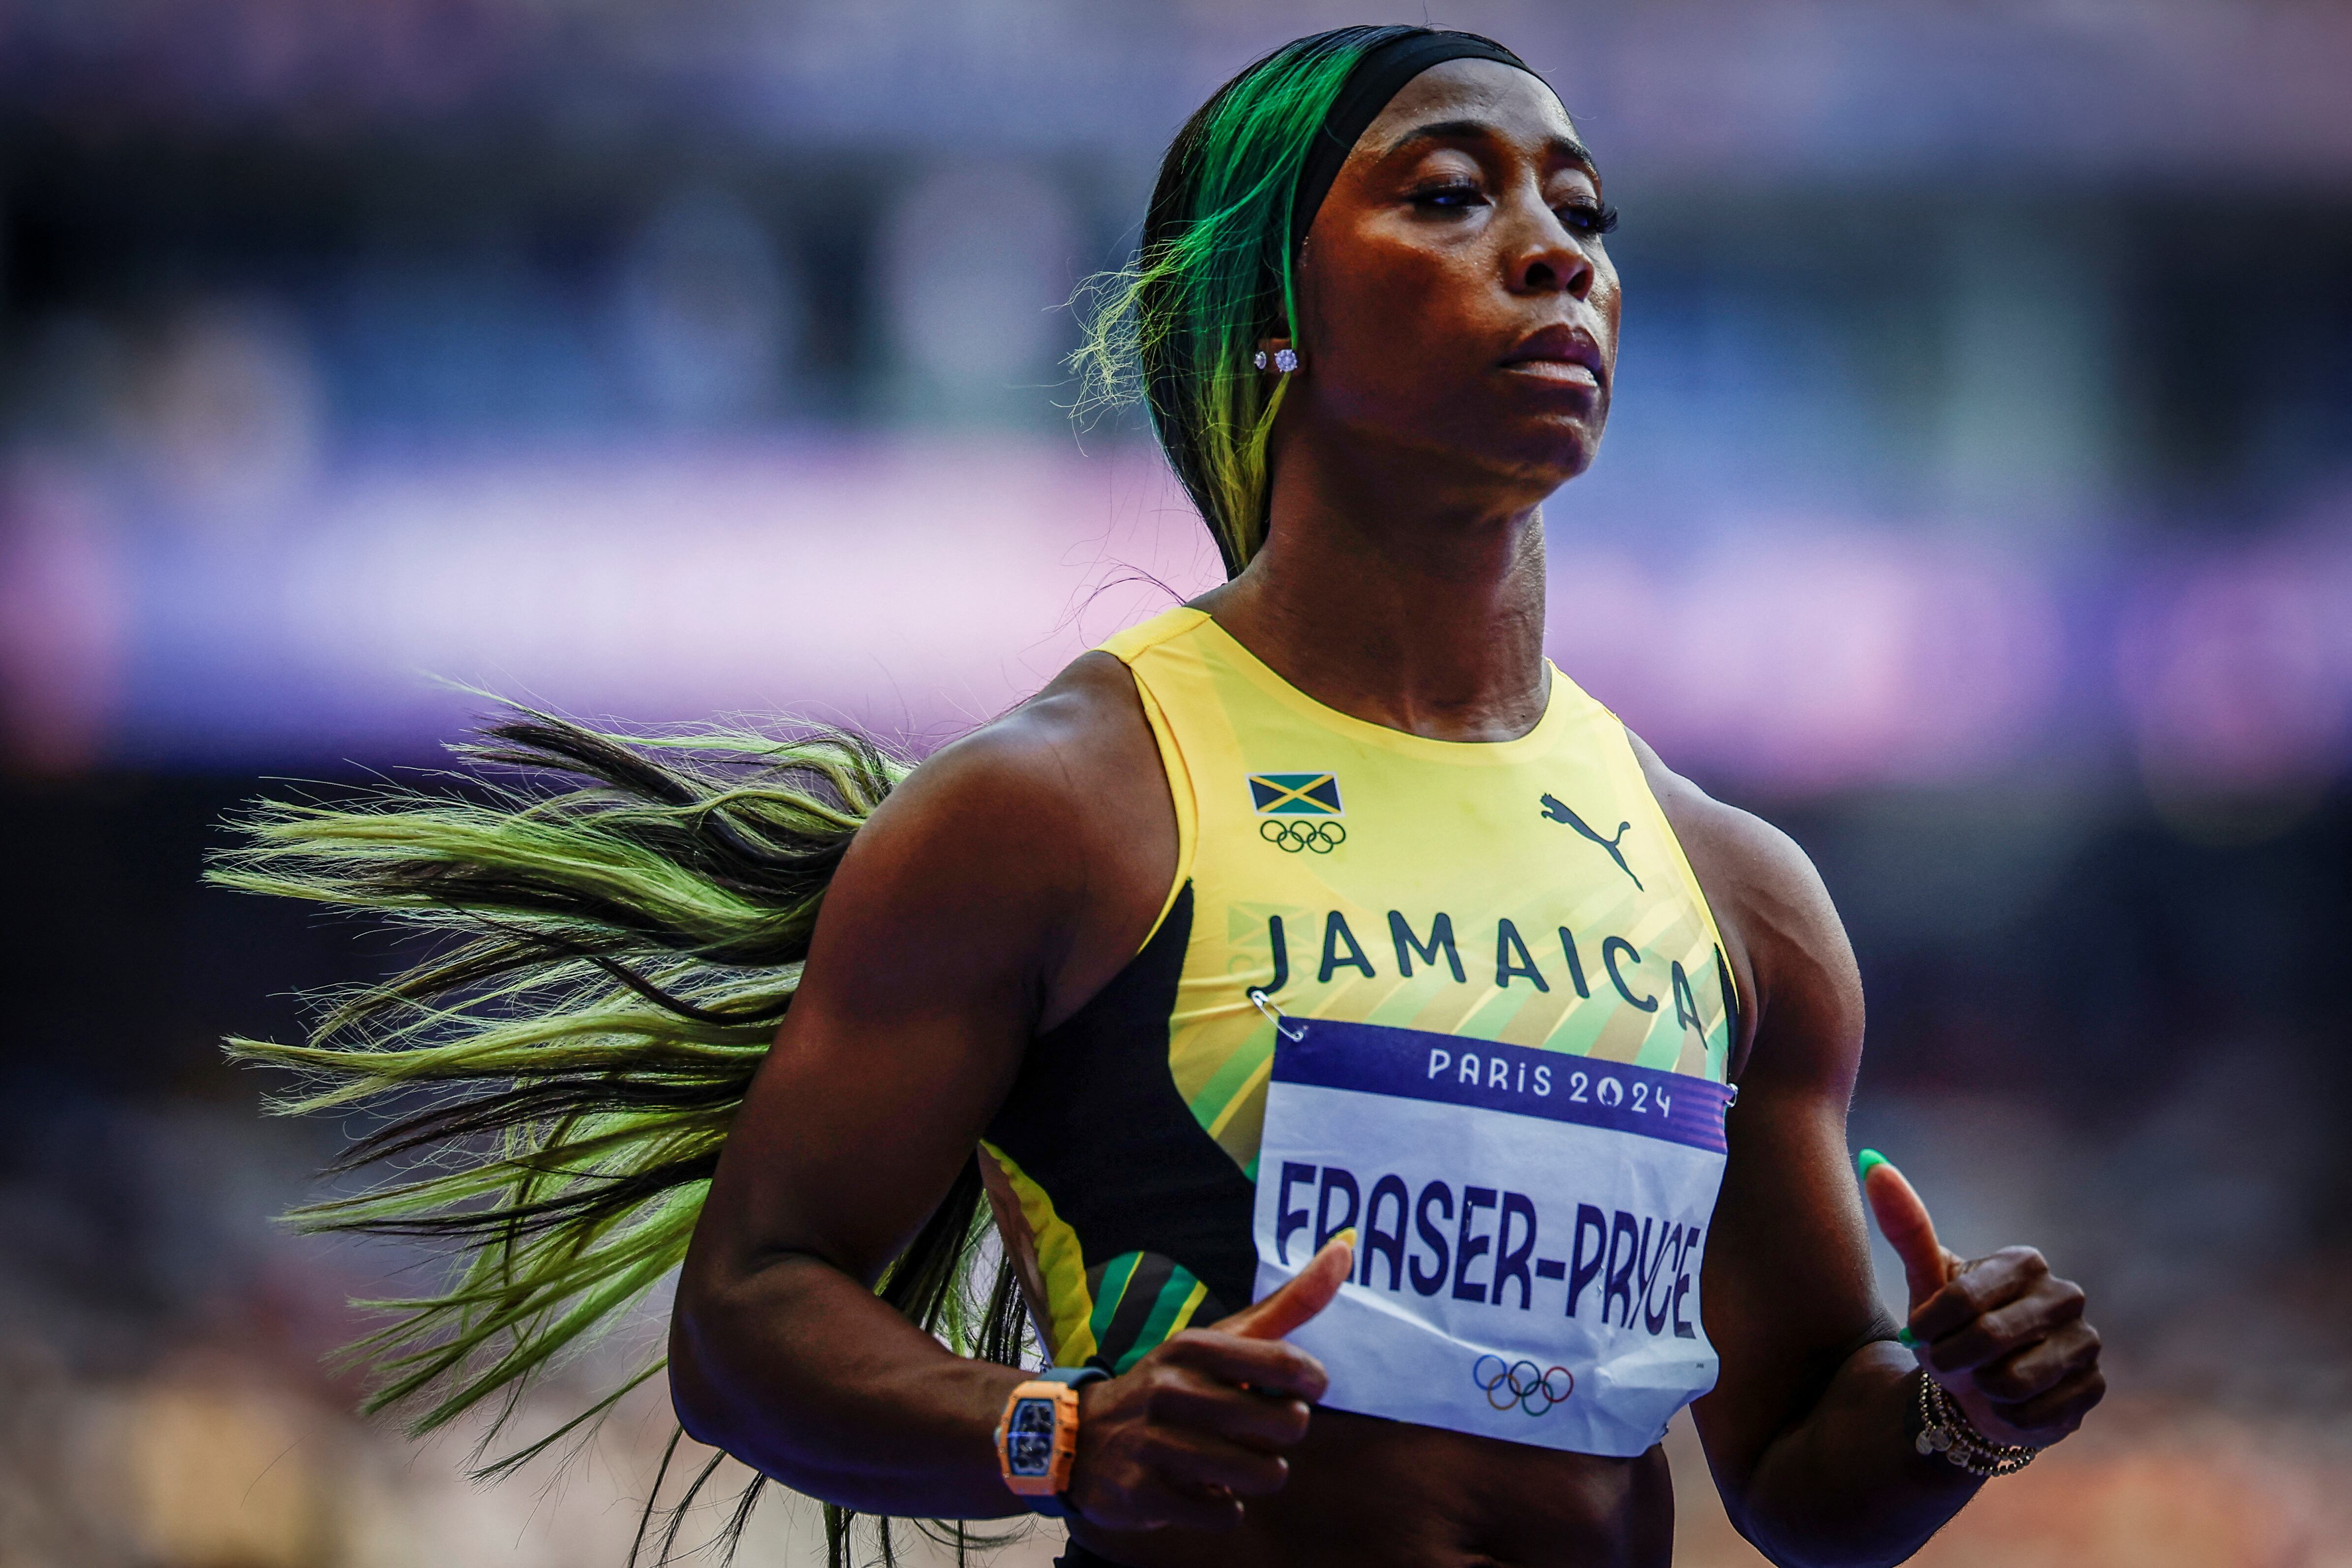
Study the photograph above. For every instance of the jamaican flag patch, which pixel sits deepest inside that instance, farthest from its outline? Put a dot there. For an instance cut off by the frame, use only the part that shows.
(1296, 795)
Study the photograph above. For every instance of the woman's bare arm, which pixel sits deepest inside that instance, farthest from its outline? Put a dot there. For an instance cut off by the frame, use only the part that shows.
(1808, 1430)
(925, 980)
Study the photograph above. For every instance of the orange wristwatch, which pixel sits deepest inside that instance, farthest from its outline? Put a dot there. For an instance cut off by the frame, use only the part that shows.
(1038, 1436)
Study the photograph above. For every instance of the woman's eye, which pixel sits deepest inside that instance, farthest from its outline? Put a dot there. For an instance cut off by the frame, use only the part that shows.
(1588, 217)
(1459, 194)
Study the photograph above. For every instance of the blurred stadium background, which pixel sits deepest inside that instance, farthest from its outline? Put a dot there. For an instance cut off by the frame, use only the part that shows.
(1979, 507)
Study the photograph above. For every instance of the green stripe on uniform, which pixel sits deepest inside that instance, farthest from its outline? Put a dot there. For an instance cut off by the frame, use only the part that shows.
(1162, 1321)
(1114, 1275)
(1231, 1077)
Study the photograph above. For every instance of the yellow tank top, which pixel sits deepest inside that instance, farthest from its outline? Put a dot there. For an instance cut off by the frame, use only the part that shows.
(1527, 892)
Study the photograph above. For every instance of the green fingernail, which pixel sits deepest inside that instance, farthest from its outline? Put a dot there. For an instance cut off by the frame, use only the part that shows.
(1907, 1339)
(1867, 1160)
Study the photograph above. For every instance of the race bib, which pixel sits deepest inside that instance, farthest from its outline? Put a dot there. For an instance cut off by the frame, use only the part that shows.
(1529, 1226)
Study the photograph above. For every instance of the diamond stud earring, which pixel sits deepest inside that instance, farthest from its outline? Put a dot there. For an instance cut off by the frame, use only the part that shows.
(1285, 359)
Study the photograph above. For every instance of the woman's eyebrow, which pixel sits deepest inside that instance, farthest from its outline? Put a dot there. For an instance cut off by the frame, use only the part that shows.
(1566, 148)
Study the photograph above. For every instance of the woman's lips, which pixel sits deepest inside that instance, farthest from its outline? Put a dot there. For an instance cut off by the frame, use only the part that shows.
(1560, 372)
(1559, 356)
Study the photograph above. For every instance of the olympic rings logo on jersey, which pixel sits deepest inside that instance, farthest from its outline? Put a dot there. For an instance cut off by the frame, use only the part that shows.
(1295, 833)
(1520, 1383)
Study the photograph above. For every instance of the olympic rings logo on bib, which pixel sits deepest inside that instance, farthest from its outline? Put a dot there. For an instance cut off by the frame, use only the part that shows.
(1520, 1383)
(1295, 833)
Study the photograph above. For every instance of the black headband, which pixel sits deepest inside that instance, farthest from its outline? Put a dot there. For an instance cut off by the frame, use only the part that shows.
(1377, 78)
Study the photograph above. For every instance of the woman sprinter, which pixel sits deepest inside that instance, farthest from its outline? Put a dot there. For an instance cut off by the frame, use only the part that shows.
(1397, 1093)
(1324, 902)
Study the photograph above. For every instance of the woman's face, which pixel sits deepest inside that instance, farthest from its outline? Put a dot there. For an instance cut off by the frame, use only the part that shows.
(1455, 295)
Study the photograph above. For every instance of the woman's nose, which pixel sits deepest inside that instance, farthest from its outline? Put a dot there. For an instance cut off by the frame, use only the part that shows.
(1549, 259)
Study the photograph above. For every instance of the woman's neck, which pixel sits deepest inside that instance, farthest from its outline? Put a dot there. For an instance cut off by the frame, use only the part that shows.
(1404, 605)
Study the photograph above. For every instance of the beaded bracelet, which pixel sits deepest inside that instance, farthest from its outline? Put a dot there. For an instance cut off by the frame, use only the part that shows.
(1945, 1428)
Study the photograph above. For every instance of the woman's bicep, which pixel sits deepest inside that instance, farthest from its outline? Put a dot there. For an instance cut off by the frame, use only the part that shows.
(920, 994)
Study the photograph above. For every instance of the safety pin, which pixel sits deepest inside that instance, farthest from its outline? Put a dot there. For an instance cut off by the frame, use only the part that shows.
(1274, 1014)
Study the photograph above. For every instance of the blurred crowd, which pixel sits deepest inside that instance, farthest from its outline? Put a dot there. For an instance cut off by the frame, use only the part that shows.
(1977, 506)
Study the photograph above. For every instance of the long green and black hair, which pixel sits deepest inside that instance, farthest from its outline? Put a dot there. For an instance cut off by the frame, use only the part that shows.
(620, 921)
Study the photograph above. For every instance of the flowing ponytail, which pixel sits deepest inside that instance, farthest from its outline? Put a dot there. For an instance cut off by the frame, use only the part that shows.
(559, 1073)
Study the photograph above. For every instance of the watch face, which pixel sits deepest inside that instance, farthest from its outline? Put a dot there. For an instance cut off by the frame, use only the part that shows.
(1029, 1437)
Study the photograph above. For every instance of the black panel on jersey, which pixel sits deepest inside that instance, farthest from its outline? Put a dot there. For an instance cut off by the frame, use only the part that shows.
(1095, 1118)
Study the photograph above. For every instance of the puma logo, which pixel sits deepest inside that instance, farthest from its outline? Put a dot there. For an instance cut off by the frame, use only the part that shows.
(1556, 810)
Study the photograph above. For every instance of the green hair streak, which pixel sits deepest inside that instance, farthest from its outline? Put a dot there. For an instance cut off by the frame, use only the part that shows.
(1215, 274)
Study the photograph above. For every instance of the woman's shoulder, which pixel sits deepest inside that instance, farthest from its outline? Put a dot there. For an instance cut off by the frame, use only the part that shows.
(1055, 816)
(1081, 743)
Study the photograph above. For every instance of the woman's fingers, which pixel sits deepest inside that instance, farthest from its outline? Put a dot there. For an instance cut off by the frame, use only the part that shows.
(1306, 1293)
(1160, 1503)
(1264, 1367)
(2007, 1338)
(2057, 1412)
(1908, 1228)
(2041, 1366)
(1976, 1290)
(2042, 1306)
(1235, 1416)
(1202, 1463)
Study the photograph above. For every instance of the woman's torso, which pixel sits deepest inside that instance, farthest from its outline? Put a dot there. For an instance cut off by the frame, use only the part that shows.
(1527, 892)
